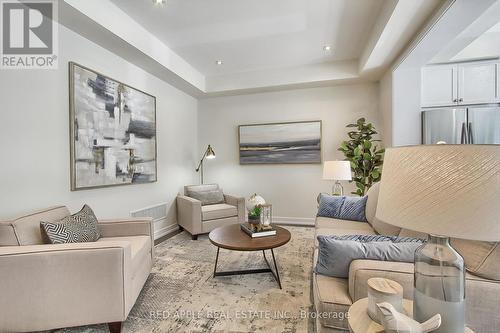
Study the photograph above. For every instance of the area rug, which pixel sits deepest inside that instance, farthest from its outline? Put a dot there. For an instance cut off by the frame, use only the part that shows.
(181, 295)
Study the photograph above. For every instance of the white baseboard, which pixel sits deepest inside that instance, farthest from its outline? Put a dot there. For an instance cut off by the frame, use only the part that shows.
(299, 221)
(304, 221)
(165, 230)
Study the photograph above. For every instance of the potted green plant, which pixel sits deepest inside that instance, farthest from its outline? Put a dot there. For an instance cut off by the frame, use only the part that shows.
(254, 215)
(365, 157)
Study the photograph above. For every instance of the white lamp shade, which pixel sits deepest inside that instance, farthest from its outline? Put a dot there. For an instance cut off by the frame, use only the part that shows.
(446, 190)
(337, 170)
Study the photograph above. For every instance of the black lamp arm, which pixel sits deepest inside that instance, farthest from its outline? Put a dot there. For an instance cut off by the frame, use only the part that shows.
(201, 161)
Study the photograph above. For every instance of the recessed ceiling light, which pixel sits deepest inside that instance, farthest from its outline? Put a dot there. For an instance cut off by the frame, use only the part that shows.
(160, 2)
(218, 62)
(327, 48)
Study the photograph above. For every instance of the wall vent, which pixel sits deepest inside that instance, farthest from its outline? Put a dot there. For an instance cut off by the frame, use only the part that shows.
(158, 213)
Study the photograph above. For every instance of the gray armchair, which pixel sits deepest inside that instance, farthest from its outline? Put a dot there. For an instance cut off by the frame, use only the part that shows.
(203, 208)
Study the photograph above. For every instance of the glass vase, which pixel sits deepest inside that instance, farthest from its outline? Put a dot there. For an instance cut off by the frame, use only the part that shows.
(337, 189)
(440, 285)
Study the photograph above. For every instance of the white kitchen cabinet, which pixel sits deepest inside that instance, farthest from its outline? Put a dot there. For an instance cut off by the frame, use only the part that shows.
(461, 84)
(439, 85)
(477, 83)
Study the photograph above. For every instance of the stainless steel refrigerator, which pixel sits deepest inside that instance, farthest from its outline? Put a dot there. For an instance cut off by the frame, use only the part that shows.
(466, 125)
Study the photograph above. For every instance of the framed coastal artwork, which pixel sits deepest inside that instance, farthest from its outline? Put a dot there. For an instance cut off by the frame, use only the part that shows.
(280, 143)
(112, 131)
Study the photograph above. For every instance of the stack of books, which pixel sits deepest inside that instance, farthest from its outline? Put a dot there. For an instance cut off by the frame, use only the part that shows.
(257, 230)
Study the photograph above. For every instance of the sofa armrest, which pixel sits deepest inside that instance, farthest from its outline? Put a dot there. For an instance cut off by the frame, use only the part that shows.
(63, 285)
(362, 270)
(189, 214)
(482, 297)
(129, 226)
(239, 202)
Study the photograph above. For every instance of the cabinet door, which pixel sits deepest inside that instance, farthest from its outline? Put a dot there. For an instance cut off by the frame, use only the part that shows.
(477, 83)
(439, 86)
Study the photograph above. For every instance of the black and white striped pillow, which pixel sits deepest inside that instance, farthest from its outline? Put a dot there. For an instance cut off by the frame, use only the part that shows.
(77, 228)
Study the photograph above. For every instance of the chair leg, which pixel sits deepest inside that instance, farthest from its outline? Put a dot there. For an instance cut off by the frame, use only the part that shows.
(115, 327)
(194, 237)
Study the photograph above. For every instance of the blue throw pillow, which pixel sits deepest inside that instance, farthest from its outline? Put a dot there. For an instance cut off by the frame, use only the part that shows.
(342, 207)
(329, 205)
(335, 253)
(354, 209)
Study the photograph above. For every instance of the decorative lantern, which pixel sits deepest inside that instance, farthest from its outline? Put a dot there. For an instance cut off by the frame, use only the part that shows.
(266, 215)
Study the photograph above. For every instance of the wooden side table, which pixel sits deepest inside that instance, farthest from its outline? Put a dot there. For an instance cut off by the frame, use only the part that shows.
(360, 322)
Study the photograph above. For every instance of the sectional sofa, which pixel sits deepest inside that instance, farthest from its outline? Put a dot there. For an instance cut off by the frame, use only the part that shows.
(333, 296)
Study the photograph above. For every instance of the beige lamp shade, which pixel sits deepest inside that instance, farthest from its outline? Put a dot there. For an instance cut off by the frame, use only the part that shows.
(337, 170)
(446, 190)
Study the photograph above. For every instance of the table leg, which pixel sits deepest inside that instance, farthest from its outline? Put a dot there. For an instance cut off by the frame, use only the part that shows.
(277, 271)
(274, 272)
(277, 274)
(216, 260)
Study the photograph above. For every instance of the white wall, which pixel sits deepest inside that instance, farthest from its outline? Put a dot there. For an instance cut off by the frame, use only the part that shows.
(34, 136)
(406, 112)
(386, 108)
(292, 189)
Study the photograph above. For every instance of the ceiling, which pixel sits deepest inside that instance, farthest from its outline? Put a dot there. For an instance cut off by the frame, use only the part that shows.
(485, 46)
(263, 44)
(479, 40)
(257, 34)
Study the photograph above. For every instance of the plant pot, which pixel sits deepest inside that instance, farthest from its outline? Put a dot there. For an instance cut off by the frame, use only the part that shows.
(253, 220)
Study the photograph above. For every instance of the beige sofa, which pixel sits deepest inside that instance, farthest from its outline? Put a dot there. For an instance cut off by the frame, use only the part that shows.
(333, 296)
(200, 219)
(48, 286)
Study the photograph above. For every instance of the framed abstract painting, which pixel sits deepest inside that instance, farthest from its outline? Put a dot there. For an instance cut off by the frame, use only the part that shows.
(112, 131)
(280, 143)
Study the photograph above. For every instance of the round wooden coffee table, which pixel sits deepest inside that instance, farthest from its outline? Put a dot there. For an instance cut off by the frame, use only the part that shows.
(231, 237)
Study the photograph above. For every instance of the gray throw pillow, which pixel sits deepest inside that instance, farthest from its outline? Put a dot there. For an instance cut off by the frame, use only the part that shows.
(337, 252)
(342, 207)
(330, 205)
(207, 197)
(77, 228)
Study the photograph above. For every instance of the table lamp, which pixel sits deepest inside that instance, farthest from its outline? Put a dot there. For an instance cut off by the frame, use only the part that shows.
(444, 191)
(337, 170)
(209, 154)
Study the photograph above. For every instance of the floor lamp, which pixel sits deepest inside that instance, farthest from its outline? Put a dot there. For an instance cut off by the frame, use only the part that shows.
(209, 154)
